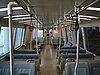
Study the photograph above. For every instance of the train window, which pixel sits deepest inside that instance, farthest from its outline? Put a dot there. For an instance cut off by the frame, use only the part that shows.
(1, 45)
(4, 40)
(40, 33)
(18, 37)
(93, 37)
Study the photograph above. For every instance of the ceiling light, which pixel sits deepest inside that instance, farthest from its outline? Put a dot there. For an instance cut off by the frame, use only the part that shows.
(88, 16)
(56, 26)
(22, 18)
(17, 8)
(27, 21)
(18, 16)
(14, 8)
(69, 20)
(93, 8)
(85, 19)
(82, 7)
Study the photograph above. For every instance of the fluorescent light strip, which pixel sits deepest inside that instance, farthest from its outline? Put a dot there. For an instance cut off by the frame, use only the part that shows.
(56, 26)
(88, 16)
(14, 8)
(85, 19)
(93, 8)
(22, 18)
(27, 21)
(69, 20)
(18, 16)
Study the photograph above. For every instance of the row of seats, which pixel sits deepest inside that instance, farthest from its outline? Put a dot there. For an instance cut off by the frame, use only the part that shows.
(40, 42)
(69, 54)
(26, 51)
(24, 59)
(19, 68)
(55, 42)
(84, 68)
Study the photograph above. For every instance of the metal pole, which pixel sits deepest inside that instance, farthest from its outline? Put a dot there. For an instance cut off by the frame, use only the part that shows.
(10, 36)
(36, 38)
(59, 40)
(77, 54)
(83, 36)
(15, 37)
(24, 34)
(88, 6)
(10, 46)
(77, 29)
(59, 36)
(21, 37)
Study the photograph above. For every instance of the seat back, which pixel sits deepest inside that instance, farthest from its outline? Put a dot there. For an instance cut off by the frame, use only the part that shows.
(83, 68)
(4, 68)
(24, 69)
(66, 51)
(19, 68)
(25, 52)
(24, 56)
(95, 68)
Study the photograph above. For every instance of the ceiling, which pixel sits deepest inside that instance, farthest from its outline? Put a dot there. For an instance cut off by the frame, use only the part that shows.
(49, 12)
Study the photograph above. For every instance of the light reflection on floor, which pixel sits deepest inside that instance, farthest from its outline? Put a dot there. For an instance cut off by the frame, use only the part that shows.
(48, 61)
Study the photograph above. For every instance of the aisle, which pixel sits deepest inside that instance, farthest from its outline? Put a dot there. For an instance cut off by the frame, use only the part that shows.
(48, 61)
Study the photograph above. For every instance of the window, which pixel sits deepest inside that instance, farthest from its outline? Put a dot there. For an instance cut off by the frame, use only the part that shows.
(1, 45)
(4, 40)
(93, 39)
(19, 36)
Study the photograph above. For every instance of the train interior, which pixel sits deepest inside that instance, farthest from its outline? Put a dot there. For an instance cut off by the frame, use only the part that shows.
(49, 37)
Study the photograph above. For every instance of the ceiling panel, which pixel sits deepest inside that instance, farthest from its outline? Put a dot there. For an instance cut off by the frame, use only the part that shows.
(49, 11)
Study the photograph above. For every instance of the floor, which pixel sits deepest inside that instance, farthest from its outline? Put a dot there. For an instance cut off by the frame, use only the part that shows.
(48, 61)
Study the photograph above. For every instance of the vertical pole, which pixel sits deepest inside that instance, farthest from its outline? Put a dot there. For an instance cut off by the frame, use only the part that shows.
(37, 37)
(31, 40)
(77, 54)
(24, 34)
(15, 37)
(31, 34)
(22, 37)
(10, 36)
(10, 46)
(84, 40)
(77, 29)
(59, 38)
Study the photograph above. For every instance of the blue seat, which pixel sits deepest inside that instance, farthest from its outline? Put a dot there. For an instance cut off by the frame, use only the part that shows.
(95, 68)
(89, 67)
(24, 69)
(4, 68)
(83, 68)
(66, 51)
(25, 52)
(81, 56)
(74, 47)
(24, 56)
(19, 68)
